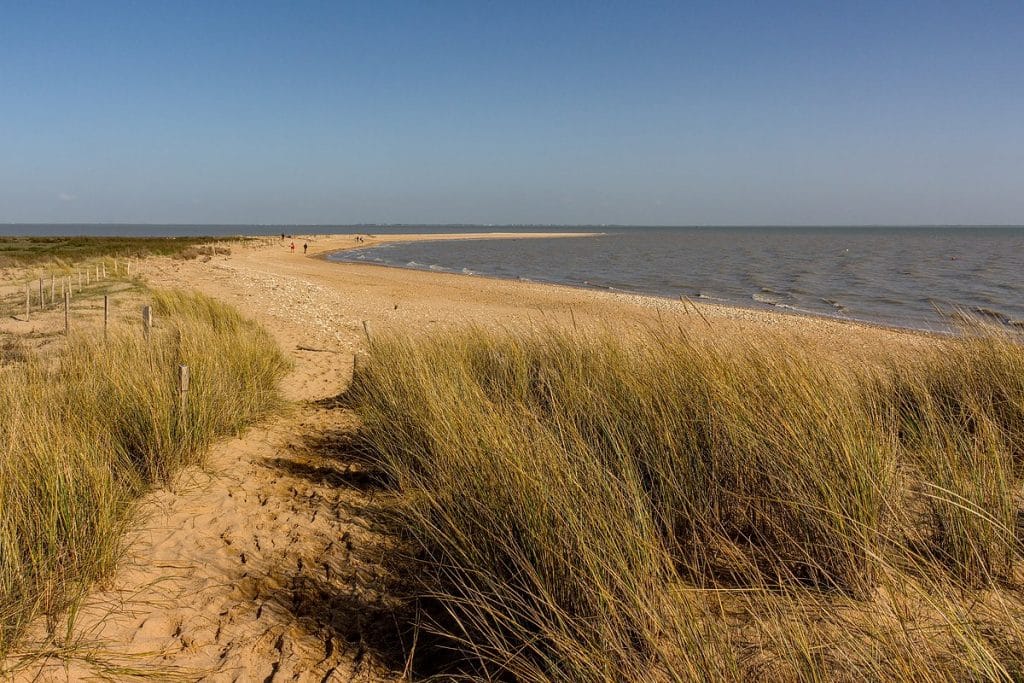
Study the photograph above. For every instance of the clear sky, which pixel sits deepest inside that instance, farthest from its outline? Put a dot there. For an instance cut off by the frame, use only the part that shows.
(512, 112)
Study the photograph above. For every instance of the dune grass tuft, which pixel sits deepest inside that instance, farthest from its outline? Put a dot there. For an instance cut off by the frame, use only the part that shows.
(88, 429)
(34, 250)
(667, 508)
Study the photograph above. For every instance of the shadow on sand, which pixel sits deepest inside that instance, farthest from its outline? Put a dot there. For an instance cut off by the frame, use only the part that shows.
(357, 597)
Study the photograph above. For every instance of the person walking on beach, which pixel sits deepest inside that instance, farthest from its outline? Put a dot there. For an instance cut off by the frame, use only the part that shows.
(293, 247)
(305, 247)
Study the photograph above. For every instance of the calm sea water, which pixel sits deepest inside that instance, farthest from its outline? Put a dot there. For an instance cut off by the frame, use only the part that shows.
(890, 275)
(895, 276)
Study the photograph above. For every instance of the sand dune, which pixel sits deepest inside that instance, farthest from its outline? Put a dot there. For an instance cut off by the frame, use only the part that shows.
(265, 567)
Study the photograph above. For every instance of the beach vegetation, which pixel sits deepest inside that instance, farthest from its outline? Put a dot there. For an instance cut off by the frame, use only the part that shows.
(35, 250)
(658, 506)
(88, 427)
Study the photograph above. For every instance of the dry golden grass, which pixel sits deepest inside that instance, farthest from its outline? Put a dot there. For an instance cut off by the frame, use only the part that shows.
(25, 251)
(87, 430)
(665, 508)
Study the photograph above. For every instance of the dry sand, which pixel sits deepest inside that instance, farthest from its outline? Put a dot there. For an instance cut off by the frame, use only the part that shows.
(265, 566)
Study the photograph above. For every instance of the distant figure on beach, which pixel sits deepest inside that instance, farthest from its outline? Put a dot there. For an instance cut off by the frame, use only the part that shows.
(305, 247)
(293, 247)
(282, 237)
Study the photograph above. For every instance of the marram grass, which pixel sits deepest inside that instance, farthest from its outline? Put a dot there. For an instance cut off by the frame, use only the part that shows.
(88, 429)
(588, 508)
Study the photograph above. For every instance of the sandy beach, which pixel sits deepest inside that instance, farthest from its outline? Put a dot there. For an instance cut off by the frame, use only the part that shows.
(266, 565)
(511, 342)
(410, 300)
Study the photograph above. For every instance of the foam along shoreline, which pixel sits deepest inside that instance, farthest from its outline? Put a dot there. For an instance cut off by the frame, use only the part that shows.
(762, 303)
(410, 298)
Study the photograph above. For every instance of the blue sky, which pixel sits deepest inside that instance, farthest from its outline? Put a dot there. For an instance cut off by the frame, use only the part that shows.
(512, 112)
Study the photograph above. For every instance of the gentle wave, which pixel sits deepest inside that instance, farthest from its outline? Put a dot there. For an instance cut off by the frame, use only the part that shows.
(913, 277)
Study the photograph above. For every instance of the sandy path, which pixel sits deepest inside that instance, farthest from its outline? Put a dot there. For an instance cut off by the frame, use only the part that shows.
(264, 566)
(259, 567)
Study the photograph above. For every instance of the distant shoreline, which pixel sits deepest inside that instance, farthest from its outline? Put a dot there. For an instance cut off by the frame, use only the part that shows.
(134, 229)
(653, 296)
(647, 299)
(322, 246)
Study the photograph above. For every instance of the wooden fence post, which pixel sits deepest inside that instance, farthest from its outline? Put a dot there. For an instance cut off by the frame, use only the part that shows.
(128, 268)
(42, 302)
(67, 309)
(53, 289)
(183, 382)
(106, 315)
(366, 331)
(147, 320)
(28, 301)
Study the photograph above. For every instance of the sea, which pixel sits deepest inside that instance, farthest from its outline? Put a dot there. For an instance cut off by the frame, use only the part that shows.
(917, 277)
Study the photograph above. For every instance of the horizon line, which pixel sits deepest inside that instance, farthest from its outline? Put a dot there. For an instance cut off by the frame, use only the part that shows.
(515, 225)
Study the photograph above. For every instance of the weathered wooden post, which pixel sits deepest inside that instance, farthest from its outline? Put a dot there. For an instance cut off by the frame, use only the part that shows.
(97, 272)
(106, 315)
(183, 382)
(128, 268)
(28, 301)
(104, 270)
(366, 331)
(67, 309)
(42, 301)
(53, 289)
(147, 320)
